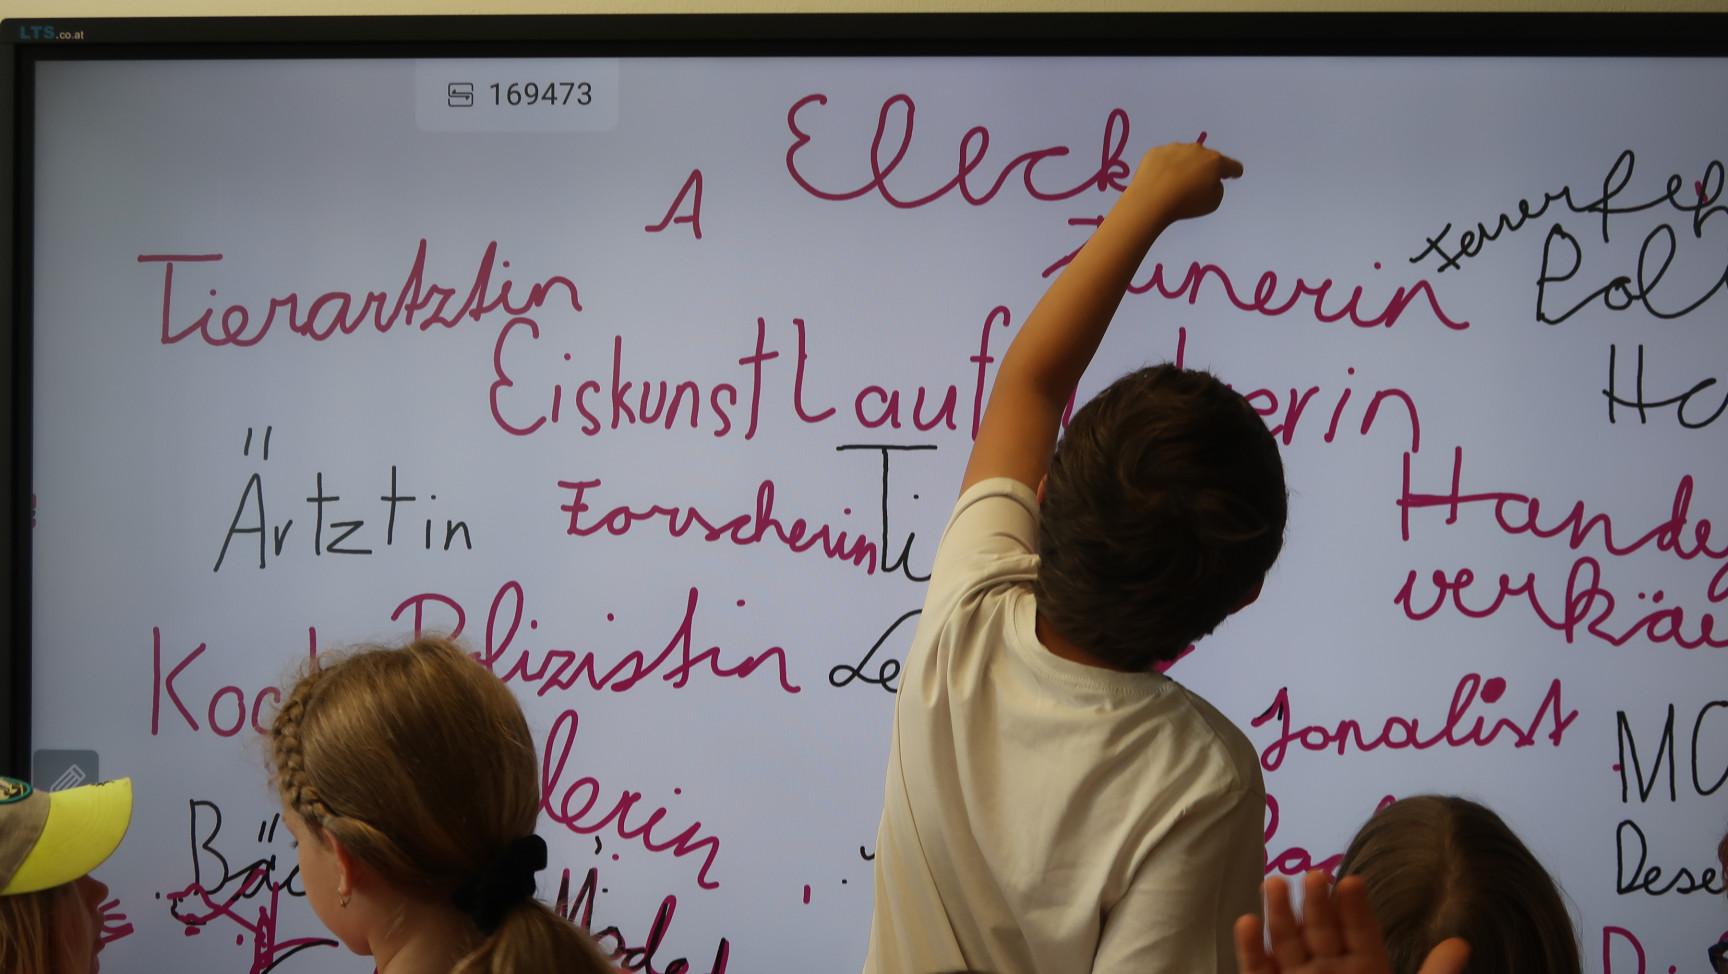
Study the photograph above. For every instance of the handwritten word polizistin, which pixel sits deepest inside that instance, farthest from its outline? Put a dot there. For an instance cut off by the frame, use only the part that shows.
(571, 804)
(334, 312)
(565, 669)
(1461, 727)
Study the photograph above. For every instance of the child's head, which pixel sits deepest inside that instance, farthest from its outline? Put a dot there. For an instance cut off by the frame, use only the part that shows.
(1163, 510)
(1439, 867)
(412, 769)
(50, 907)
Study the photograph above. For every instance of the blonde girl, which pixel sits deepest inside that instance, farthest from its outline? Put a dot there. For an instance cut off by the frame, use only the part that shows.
(408, 777)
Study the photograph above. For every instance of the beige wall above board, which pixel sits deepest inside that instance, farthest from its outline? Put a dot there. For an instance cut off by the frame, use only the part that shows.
(212, 8)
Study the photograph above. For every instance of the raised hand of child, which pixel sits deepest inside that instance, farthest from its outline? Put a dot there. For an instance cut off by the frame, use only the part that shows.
(1337, 934)
(1182, 180)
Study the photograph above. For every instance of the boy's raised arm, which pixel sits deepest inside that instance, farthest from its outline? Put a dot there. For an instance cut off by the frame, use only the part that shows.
(1045, 361)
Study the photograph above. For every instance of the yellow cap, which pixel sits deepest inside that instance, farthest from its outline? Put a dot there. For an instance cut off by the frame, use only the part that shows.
(48, 838)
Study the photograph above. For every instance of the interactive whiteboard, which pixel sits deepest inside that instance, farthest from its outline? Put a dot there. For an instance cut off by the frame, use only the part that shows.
(654, 379)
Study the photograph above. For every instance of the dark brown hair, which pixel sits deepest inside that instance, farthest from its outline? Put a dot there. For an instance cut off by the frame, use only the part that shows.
(1164, 508)
(1439, 867)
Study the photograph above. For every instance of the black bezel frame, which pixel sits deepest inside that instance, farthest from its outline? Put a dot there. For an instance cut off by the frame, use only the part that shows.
(673, 35)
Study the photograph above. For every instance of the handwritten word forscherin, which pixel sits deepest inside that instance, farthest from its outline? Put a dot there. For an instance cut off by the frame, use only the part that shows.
(345, 312)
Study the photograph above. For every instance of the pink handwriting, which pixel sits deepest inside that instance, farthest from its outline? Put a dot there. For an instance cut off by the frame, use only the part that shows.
(115, 926)
(1584, 603)
(334, 312)
(1266, 300)
(228, 710)
(897, 119)
(1399, 732)
(1297, 861)
(570, 806)
(742, 529)
(1616, 959)
(581, 912)
(694, 218)
(1286, 412)
(620, 399)
(562, 669)
(1266, 289)
(1516, 513)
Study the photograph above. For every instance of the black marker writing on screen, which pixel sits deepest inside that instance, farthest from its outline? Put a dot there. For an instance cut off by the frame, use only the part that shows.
(1637, 397)
(1474, 241)
(249, 897)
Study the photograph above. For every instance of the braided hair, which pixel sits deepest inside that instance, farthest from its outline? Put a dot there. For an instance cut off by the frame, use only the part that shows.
(418, 762)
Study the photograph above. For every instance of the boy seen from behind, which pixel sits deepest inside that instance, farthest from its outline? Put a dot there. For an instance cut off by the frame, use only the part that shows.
(1053, 803)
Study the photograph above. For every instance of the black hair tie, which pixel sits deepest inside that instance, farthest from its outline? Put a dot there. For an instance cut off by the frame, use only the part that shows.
(502, 883)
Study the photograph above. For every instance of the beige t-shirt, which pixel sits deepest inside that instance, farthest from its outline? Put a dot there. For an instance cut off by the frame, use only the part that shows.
(1042, 815)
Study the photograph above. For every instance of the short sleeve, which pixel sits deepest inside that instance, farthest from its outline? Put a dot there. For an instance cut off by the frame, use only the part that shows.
(994, 519)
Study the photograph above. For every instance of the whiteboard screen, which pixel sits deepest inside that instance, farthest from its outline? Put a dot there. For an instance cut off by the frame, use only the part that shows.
(655, 379)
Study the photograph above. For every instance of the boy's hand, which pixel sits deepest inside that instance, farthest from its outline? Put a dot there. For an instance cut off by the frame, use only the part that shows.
(1338, 934)
(1181, 180)
(1038, 374)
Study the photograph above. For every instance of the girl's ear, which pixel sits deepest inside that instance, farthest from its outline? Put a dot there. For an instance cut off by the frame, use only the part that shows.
(348, 868)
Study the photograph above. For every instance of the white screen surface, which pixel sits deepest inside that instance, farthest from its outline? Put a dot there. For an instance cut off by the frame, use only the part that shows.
(710, 232)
